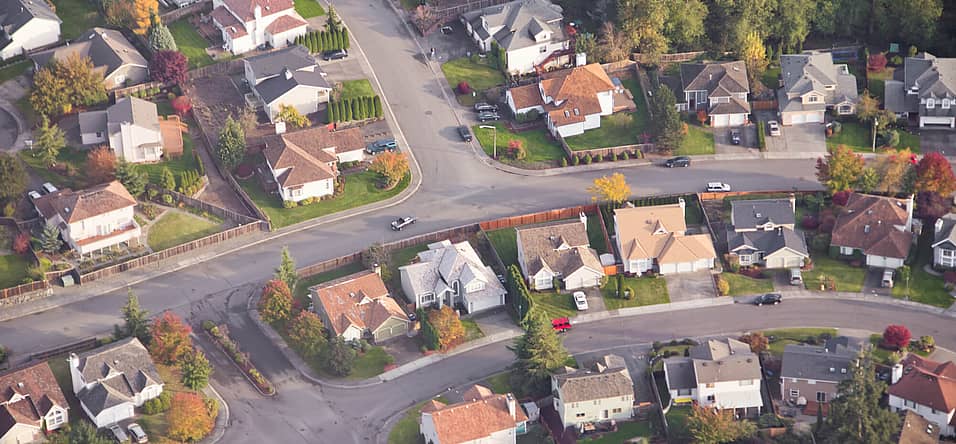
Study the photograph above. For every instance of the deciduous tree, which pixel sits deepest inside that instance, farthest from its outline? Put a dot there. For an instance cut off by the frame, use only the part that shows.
(447, 326)
(133, 178)
(754, 55)
(275, 305)
(50, 139)
(181, 105)
(756, 340)
(613, 188)
(291, 116)
(935, 174)
(231, 148)
(897, 336)
(376, 255)
(21, 243)
(168, 67)
(306, 333)
(840, 170)
(792, 23)
(339, 357)
(642, 21)
(391, 165)
(855, 415)
(893, 169)
(196, 370)
(713, 426)
(135, 320)
(422, 17)
(915, 21)
(613, 44)
(101, 164)
(189, 418)
(538, 353)
(142, 12)
(13, 176)
(169, 338)
(684, 26)
(931, 206)
(64, 84)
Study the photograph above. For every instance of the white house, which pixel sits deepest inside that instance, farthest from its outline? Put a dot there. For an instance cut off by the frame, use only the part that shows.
(654, 239)
(944, 242)
(111, 381)
(559, 251)
(358, 306)
(481, 418)
(288, 77)
(113, 56)
(600, 393)
(812, 84)
(763, 233)
(722, 374)
(719, 89)
(878, 228)
(529, 31)
(31, 402)
(131, 128)
(92, 219)
(26, 25)
(452, 274)
(247, 24)
(304, 164)
(928, 90)
(573, 99)
(927, 388)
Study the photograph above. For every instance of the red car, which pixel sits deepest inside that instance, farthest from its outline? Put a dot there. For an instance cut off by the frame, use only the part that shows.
(561, 325)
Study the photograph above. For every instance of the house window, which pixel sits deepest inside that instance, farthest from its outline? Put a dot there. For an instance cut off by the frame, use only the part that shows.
(946, 253)
(683, 392)
(846, 251)
(543, 49)
(844, 109)
(57, 418)
(428, 297)
(711, 398)
(794, 393)
(710, 385)
(746, 382)
(99, 134)
(542, 282)
(821, 396)
(908, 403)
(617, 410)
(579, 415)
(930, 103)
(297, 192)
(812, 99)
(946, 103)
(745, 259)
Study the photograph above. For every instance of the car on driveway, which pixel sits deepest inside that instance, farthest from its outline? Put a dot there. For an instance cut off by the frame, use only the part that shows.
(139, 436)
(679, 161)
(379, 146)
(334, 54)
(118, 434)
(768, 299)
(447, 30)
(735, 137)
(33, 194)
(561, 325)
(580, 300)
(465, 133)
(717, 187)
(48, 188)
(774, 128)
(402, 222)
(485, 116)
(484, 106)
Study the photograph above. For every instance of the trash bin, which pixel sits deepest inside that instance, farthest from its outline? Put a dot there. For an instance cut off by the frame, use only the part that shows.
(67, 280)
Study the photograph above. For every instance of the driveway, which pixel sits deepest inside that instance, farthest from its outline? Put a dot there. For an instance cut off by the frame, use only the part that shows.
(748, 140)
(809, 138)
(690, 286)
(873, 283)
(938, 140)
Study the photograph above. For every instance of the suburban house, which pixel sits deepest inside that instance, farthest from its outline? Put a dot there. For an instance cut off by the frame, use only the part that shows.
(133, 130)
(91, 219)
(877, 227)
(250, 24)
(811, 373)
(26, 25)
(944, 242)
(304, 164)
(529, 32)
(928, 90)
(915, 429)
(720, 89)
(573, 100)
(358, 306)
(112, 380)
(559, 251)
(812, 84)
(722, 374)
(763, 234)
(482, 417)
(112, 55)
(654, 238)
(290, 77)
(602, 392)
(31, 402)
(452, 274)
(927, 388)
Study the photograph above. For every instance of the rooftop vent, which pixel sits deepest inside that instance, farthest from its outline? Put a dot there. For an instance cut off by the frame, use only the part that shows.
(832, 369)
(20, 384)
(866, 228)
(843, 370)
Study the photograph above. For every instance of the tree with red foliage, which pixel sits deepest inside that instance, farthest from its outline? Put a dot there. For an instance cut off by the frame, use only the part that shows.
(168, 67)
(827, 221)
(934, 173)
(170, 338)
(702, 117)
(876, 62)
(181, 105)
(896, 336)
(21, 243)
(931, 206)
(190, 419)
(275, 305)
(463, 87)
(840, 198)
(810, 222)
(101, 164)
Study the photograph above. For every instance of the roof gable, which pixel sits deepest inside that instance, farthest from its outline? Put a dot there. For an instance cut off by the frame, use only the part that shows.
(73, 206)
(926, 382)
(873, 224)
(718, 79)
(359, 300)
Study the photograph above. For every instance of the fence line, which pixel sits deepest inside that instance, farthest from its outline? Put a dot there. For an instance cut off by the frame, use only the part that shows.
(229, 67)
(537, 218)
(636, 150)
(130, 90)
(764, 105)
(177, 14)
(224, 213)
(670, 58)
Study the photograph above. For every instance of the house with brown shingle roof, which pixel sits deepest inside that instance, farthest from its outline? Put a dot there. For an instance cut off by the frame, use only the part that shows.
(247, 24)
(915, 429)
(926, 387)
(573, 100)
(482, 417)
(304, 164)
(92, 219)
(560, 250)
(877, 227)
(718, 88)
(30, 400)
(602, 392)
(112, 55)
(655, 238)
(358, 306)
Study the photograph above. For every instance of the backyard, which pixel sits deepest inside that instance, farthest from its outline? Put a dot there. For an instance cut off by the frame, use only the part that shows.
(77, 16)
(615, 130)
(697, 141)
(771, 78)
(13, 70)
(176, 227)
(309, 8)
(542, 152)
(191, 44)
(876, 82)
(356, 88)
(186, 162)
(859, 138)
(596, 234)
(625, 431)
(677, 424)
(849, 279)
(13, 268)
(506, 244)
(741, 285)
(783, 337)
(647, 291)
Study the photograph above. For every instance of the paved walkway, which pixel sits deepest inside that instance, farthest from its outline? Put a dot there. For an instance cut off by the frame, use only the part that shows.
(11, 91)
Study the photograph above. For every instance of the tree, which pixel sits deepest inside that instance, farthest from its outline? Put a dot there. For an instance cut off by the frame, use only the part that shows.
(668, 126)
(101, 164)
(339, 357)
(332, 22)
(934, 174)
(50, 139)
(906, 273)
(275, 305)
(757, 341)
(13, 176)
(377, 107)
(286, 270)
(376, 255)
(292, 117)
(135, 319)
(876, 62)
(248, 120)
(49, 95)
(167, 180)
(169, 338)
(868, 181)
(231, 148)
(391, 165)
(684, 26)
(196, 370)
(840, 170)
(159, 37)
(447, 326)
(931, 206)
(855, 415)
(793, 23)
(538, 353)
(913, 21)
(50, 242)
(306, 333)
(896, 337)
(79, 432)
(713, 426)
(893, 169)
(422, 17)
(754, 55)
(189, 418)
(21, 243)
(867, 107)
(613, 188)
(181, 105)
(169, 67)
(330, 116)
(614, 45)
(642, 21)
(131, 177)
(64, 84)
(517, 150)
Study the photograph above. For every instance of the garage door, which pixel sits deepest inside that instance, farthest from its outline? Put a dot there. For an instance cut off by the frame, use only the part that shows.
(948, 121)
(737, 119)
(719, 120)
(796, 118)
(684, 267)
(814, 118)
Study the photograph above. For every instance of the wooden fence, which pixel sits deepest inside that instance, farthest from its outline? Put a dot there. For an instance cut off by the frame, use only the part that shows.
(119, 93)
(177, 14)
(83, 345)
(537, 218)
(240, 219)
(758, 105)
(722, 196)
(623, 65)
(670, 58)
(230, 67)
(23, 289)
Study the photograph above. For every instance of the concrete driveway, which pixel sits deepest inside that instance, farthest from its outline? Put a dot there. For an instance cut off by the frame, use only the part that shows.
(873, 283)
(938, 140)
(748, 140)
(690, 286)
(806, 138)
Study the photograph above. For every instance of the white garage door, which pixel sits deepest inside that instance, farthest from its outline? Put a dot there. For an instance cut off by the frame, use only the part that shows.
(668, 268)
(797, 118)
(814, 118)
(719, 120)
(684, 267)
(737, 119)
(948, 121)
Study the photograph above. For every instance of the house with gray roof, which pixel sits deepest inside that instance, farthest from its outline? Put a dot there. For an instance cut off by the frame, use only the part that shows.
(944, 242)
(530, 32)
(114, 57)
(601, 392)
(289, 77)
(720, 89)
(561, 251)
(131, 128)
(26, 25)
(451, 274)
(811, 373)
(722, 374)
(928, 90)
(112, 380)
(763, 233)
(812, 84)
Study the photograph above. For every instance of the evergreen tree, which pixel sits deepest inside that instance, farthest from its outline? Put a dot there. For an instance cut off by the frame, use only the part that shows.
(855, 415)
(160, 39)
(80, 432)
(324, 37)
(333, 23)
(286, 271)
(668, 128)
(353, 103)
(50, 139)
(136, 320)
(167, 180)
(50, 242)
(377, 104)
(132, 178)
(537, 354)
(232, 144)
(361, 108)
(339, 357)
(196, 370)
(345, 38)
(330, 112)
(347, 115)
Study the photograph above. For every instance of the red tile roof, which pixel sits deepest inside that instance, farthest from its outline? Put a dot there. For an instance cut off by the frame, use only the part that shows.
(574, 92)
(74, 206)
(926, 382)
(471, 420)
(360, 299)
(285, 23)
(245, 9)
(38, 392)
(872, 224)
(227, 21)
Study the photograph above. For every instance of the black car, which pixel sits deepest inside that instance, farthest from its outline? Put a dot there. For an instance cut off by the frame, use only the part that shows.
(485, 116)
(335, 54)
(768, 299)
(735, 137)
(680, 161)
(464, 133)
(484, 106)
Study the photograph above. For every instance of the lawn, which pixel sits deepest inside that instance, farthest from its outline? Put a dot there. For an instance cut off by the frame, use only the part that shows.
(677, 424)
(26, 109)
(479, 76)
(697, 141)
(876, 82)
(771, 78)
(191, 44)
(177, 165)
(500, 383)
(553, 304)
(13, 70)
(61, 371)
(370, 364)
(78, 16)
(648, 291)
(360, 189)
(13, 268)
(923, 287)
(634, 86)
(741, 285)
(848, 278)
(175, 228)
(537, 143)
(615, 130)
(406, 429)
(506, 244)
(472, 330)
(782, 337)
(859, 138)
(73, 157)
(356, 88)
(625, 431)
(596, 235)
(309, 8)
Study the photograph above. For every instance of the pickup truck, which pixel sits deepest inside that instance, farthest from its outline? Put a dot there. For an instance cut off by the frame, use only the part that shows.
(402, 222)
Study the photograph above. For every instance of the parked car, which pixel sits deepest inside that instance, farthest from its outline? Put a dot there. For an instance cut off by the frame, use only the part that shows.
(717, 187)
(334, 54)
(33, 194)
(465, 133)
(774, 128)
(887, 279)
(580, 300)
(402, 222)
(485, 116)
(796, 277)
(735, 137)
(484, 106)
(118, 434)
(379, 146)
(139, 436)
(768, 299)
(679, 161)
(447, 30)
(48, 188)
(561, 325)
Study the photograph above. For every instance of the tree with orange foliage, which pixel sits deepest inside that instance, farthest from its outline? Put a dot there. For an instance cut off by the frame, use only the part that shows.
(448, 326)
(392, 165)
(275, 305)
(189, 418)
(133, 14)
(101, 164)
(893, 169)
(170, 338)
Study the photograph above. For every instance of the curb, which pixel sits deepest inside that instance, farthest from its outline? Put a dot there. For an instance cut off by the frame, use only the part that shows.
(222, 420)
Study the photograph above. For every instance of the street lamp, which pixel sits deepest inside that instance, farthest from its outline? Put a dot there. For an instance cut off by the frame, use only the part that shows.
(875, 124)
(495, 145)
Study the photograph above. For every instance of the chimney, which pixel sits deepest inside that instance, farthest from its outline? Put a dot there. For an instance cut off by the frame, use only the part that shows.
(377, 269)
(909, 212)
(257, 12)
(287, 73)
(680, 201)
(938, 226)
(897, 373)
(584, 219)
(793, 202)
(511, 404)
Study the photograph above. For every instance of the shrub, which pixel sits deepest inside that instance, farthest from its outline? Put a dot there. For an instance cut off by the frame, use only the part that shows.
(289, 204)
(896, 60)
(950, 277)
(628, 293)
(876, 62)
(841, 197)
(564, 161)
(625, 156)
(597, 158)
(463, 87)
(168, 199)
(896, 337)
(244, 171)
(21, 243)
(158, 404)
(575, 160)
(587, 159)
(208, 325)
(809, 222)
(820, 242)
(723, 287)
(837, 126)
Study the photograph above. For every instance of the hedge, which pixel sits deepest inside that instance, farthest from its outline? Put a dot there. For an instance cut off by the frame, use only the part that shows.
(521, 298)
(761, 136)
(319, 41)
(429, 335)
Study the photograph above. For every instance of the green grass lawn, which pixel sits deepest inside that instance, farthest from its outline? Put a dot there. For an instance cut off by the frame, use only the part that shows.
(68, 156)
(371, 363)
(13, 70)
(847, 278)
(876, 82)
(356, 88)
(506, 244)
(13, 268)
(26, 109)
(175, 228)
(309, 8)
(783, 337)
(478, 75)
(677, 424)
(859, 138)
(596, 235)
(923, 287)
(61, 371)
(472, 330)
(616, 130)
(553, 304)
(191, 44)
(78, 16)
(177, 165)
(641, 117)
(360, 189)
(742, 285)
(500, 383)
(771, 78)
(538, 144)
(625, 431)
(648, 291)
(406, 430)
(697, 141)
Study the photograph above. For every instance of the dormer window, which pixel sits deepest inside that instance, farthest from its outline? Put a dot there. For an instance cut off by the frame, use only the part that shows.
(930, 103)
(946, 103)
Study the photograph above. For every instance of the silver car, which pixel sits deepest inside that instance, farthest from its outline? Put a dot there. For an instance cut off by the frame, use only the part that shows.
(139, 436)
(118, 434)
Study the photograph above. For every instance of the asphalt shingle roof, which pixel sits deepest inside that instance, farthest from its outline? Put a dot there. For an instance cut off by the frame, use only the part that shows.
(875, 224)
(597, 382)
(563, 248)
(768, 241)
(279, 72)
(107, 48)
(814, 362)
(748, 214)
(14, 14)
(514, 24)
(119, 371)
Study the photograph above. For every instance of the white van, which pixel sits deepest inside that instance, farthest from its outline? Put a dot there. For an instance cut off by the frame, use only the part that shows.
(796, 277)
(887, 279)
(717, 187)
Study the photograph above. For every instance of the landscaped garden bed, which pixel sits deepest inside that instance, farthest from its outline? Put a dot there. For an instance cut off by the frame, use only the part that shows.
(220, 335)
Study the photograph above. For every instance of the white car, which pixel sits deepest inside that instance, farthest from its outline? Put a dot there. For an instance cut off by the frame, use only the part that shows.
(580, 300)
(139, 436)
(717, 187)
(774, 128)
